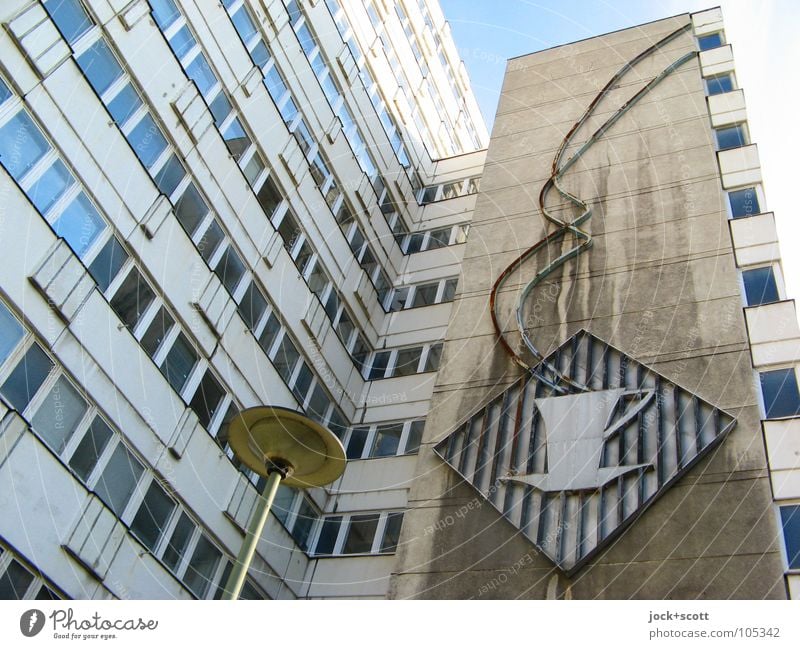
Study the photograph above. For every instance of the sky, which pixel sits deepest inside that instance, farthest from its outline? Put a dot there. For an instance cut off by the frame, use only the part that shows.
(766, 51)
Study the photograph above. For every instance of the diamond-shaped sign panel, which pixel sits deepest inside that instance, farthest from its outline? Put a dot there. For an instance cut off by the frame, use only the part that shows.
(571, 470)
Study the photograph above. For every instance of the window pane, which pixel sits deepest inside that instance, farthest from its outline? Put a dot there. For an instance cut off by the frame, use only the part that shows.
(260, 54)
(790, 521)
(69, 17)
(332, 305)
(391, 534)
(387, 440)
(361, 350)
(289, 231)
(50, 186)
(26, 378)
(79, 224)
(449, 290)
(434, 357)
(760, 286)
(179, 363)
(15, 581)
(328, 534)
(190, 209)
(744, 202)
(302, 257)
(781, 398)
(230, 269)
(269, 197)
(58, 415)
(425, 294)
(253, 168)
(147, 141)
(176, 547)
(243, 24)
(438, 238)
(100, 66)
(210, 240)
(220, 108)
(355, 446)
(337, 423)
(207, 399)
(119, 479)
(271, 329)
(90, 448)
(318, 280)
(252, 306)
(414, 436)
(407, 361)
(107, 263)
(286, 357)
(236, 139)
(156, 332)
(730, 137)
(181, 42)
(398, 300)
(282, 505)
(11, 332)
(303, 524)
(170, 175)
(710, 41)
(718, 85)
(21, 145)
(165, 12)
(379, 363)
(132, 298)
(200, 72)
(125, 103)
(360, 534)
(302, 382)
(318, 404)
(153, 514)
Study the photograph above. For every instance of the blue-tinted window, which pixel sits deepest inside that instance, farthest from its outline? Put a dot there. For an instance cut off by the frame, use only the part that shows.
(26, 378)
(165, 12)
(236, 139)
(69, 17)
(124, 104)
(710, 41)
(790, 521)
(100, 66)
(170, 175)
(147, 141)
(79, 224)
(730, 137)
(182, 41)
(243, 24)
(260, 54)
(11, 332)
(21, 145)
(50, 186)
(220, 108)
(760, 286)
(779, 389)
(719, 84)
(5, 93)
(200, 72)
(107, 263)
(744, 202)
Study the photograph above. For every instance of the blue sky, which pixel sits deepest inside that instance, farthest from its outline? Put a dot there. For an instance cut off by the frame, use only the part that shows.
(765, 46)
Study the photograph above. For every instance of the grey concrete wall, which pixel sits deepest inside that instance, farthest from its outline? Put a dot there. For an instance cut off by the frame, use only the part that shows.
(659, 283)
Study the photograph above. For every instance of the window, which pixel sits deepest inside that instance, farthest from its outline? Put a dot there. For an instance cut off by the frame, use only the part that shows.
(781, 397)
(790, 521)
(50, 186)
(108, 263)
(58, 415)
(79, 224)
(153, 515)
(11, 332)
(387, 440)
(709, 41)
(69, 17)
(202, 567)
(730, 137)
(744, 202)
(720, 83)
(19, 580)
(26, 378)
(90, 448)
(119, 479)
(132, 298)
(434, 358)
(425, 294)
(147, 141)
(22, 145)
(760, 286)
(360, 534)
(407, 361)
(190, 209)
(100, 66)
(207, 398)
(391, 534)
(179, 362)
(384, 440)
(328, 535)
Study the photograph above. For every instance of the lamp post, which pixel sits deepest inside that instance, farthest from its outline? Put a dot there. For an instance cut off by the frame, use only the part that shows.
(287, 448)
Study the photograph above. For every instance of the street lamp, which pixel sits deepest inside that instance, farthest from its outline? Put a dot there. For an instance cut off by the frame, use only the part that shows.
(287, 448)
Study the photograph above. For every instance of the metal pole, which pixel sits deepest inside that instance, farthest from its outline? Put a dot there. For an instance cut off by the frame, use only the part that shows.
(254, 529)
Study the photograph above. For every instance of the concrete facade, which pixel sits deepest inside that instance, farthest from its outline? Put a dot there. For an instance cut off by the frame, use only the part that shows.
(661, 283)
